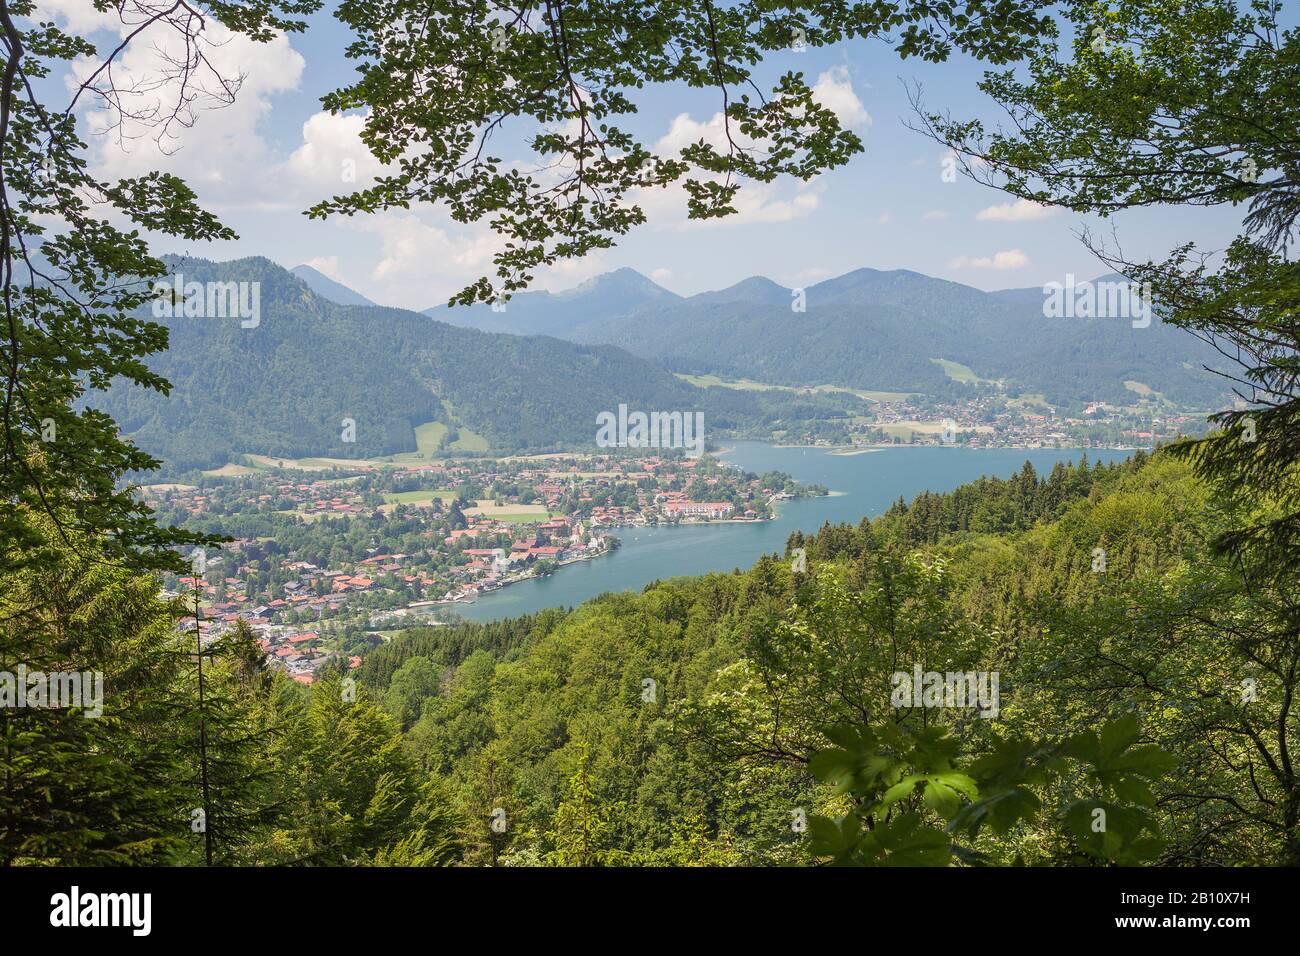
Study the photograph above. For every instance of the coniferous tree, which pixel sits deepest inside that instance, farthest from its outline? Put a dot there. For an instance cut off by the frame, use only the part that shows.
(102, 783)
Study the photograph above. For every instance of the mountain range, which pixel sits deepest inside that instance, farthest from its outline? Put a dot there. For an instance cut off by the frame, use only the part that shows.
(534, 376)
(868, 329)
(284, 386)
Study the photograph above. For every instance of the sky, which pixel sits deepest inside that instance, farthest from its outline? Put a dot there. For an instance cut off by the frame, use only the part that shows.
(262, 161)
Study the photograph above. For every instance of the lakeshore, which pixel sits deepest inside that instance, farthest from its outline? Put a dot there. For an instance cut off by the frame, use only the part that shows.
(860, 485)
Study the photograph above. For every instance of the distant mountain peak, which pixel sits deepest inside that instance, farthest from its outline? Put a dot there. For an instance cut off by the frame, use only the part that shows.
(327, 288)
(755, 289)
(620, 280)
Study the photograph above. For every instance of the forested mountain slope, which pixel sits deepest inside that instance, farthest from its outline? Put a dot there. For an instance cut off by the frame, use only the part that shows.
(1138, 673)
(284, 386)
(868, 329)
(678, 724)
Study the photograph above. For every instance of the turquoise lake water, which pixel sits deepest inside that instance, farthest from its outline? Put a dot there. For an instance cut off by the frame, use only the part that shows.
(868, 484)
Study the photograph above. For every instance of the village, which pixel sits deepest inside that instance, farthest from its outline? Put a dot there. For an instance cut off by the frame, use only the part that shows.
(335, 546)
(989, 419)
(314, 555)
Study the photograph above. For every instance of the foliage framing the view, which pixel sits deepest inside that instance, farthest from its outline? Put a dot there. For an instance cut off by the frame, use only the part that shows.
(1193, 104)
(441, 79)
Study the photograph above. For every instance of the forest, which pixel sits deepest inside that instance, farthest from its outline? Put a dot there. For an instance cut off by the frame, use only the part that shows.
(732, 719)
(1153, 690)
(1093, 667)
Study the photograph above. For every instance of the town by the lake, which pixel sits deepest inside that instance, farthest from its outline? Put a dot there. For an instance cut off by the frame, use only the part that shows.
(323, 555)
(314, 555)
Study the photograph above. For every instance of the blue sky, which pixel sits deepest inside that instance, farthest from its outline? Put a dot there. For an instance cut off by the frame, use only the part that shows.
(260, 162)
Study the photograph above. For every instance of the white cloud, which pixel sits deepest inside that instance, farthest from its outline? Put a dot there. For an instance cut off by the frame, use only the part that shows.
(331, 160)
(883, 219)
(1022, 210)
(834, 91)
(420, 259)
(410, 246)
(414, 258)
(953, 165)
(661, 275)
(326, 266)
(567, 273)
(685, 130)
(755, 202)
(807, 276)
(758, 202)
(425, 258)
(1008, 259)
(79, 16)
(221, 153)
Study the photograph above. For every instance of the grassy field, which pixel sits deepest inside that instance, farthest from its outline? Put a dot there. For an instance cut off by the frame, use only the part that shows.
(515, 514)
(470, 441)
(616, 475)
(307, 518)
(428, 440)
(748, 385)
(905, 429)
(712, 381)
(1035, 400)
(422, 497)
(868, 395)
(1146, 391)
(515, 518)
(264, 462)
(897, 431)
(428, 437)
(961, 373)
(467, 440)
(231, 470)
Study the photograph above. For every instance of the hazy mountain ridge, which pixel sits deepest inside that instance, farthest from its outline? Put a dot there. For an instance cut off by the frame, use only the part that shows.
(284, 387)
(868, 329)
(600, 299)
(327, 288)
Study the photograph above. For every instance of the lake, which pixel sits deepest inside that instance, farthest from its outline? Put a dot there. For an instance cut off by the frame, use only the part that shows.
(867, 483)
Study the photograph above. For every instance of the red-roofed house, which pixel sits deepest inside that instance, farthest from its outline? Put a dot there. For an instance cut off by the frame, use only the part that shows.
(706, 509)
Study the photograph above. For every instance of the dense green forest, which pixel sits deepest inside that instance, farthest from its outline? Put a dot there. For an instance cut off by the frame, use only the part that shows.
(751, 669)
(250, 769)
(1094, 667)
(739, 718)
